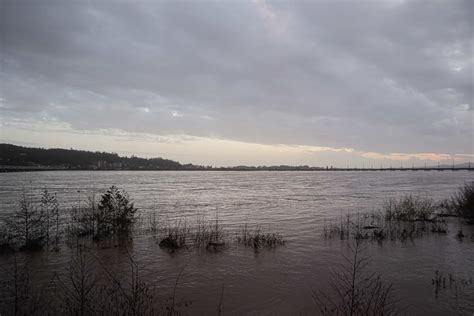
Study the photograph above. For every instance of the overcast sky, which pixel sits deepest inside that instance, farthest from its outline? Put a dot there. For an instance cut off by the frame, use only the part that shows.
(242, 82)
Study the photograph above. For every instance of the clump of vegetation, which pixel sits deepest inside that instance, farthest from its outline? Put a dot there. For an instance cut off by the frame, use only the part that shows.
(210, 235)
(409, 208)
(114, 214)
(38, 224)
(439, 227)
(462, 203)
(175, 237)
(258, 239)
(356, 291)
(32, 227)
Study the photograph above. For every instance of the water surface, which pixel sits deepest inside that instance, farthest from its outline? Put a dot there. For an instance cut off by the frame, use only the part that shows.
(294, 204)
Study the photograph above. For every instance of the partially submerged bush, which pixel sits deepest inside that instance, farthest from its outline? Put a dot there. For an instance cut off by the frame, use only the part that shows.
(175, 237)
(409, 208)
(463, 201)
(113, 214)
(26, 225)
(31, 227)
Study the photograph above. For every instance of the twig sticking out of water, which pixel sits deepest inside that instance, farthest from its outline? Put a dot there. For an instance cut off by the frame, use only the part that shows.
(219, 309)
(355, 290)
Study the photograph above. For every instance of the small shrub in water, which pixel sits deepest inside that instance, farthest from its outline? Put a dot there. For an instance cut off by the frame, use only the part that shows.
(409, 209)
(115, 211)
(175, 237)
(463, 202)
(114, 214)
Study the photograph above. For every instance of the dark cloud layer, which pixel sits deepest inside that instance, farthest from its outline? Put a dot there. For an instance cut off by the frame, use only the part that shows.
(385, 76)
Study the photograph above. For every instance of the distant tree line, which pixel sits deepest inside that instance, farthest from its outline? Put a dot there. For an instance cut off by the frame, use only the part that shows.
(56, 158)
(12, 155)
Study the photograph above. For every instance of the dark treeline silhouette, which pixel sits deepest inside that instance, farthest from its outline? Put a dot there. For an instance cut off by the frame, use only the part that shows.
(12, 155)
(19, 158)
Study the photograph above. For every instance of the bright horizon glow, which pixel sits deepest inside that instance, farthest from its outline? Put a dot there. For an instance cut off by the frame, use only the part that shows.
(209, 151)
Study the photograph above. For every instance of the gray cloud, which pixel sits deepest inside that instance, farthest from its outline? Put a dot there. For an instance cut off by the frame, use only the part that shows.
(387, 76)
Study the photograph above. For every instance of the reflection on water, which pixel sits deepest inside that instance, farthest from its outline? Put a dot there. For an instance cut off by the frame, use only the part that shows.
(294, 204)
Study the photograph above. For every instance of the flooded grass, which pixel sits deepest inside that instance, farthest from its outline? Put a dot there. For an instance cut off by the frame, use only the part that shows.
(450, 284)
(404, 219)
(205, 233)
(208, 234)
(257, 239)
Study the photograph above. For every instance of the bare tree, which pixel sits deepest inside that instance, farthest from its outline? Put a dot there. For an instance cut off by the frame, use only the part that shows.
(81, 288)
(133, 298)
(19, 297)
(50, 215)
(26, 225)
(355, 290)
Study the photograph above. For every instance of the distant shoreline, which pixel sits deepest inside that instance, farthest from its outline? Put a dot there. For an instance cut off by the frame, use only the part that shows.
(15, 158)
(11, 169)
